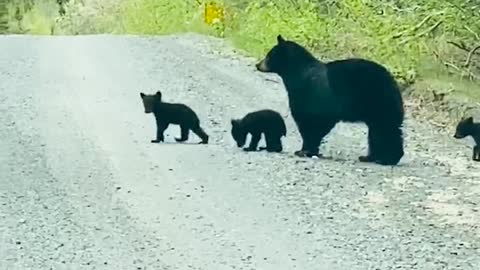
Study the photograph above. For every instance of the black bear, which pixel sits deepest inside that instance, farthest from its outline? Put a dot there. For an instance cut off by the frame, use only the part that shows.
(466, 127)
(172, 113)
(350, 90)
(266, 121)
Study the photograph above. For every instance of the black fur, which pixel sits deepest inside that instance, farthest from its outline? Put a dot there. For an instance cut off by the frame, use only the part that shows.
(351, 90)
(172, 113)
(268, 122)
(466, 127)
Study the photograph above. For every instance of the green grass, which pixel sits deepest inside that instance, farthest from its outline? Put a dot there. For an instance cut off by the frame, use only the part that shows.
(22, 18)
(161, 17)
(410, 37)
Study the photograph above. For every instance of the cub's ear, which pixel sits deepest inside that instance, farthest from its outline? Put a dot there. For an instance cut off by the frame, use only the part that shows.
(234, 122)
(142, 95)
(469, 119)
(280, 39)
(158, 94)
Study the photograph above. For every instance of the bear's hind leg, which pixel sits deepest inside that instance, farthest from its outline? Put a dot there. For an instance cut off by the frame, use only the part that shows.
(476, 153)
(201, 133)
(385, 145)
(274, 143)
(372, 145)
(184, 130)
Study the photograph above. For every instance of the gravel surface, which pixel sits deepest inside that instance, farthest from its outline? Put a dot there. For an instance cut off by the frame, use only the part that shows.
(82, 187)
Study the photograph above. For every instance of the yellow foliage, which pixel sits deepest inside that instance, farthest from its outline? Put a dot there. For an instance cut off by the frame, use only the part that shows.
(214, 12)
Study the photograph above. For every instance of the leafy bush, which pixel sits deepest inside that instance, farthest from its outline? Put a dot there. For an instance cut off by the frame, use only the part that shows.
(415, 39)
(161, 16)
(411, 37)
(72, 17)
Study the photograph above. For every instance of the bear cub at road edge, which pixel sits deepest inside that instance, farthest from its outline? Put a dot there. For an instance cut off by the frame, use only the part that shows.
(268, 122)
(466, 127)
(172, 113)
(351, 90)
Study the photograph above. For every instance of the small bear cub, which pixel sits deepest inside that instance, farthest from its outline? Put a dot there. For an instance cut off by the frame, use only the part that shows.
(466, 127)
(172, 113)
(266, 121)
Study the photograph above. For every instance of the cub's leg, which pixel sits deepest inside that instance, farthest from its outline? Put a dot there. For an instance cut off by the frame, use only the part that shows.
(200, 133)
(476, 153)
(274, 143)
(184, 130)
(161, 127)
(253, 142)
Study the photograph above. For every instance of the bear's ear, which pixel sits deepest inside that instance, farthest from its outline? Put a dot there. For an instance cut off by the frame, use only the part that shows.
(158, 95)
(234, 122)
(142, 95)
(280, 39)
(469, 120)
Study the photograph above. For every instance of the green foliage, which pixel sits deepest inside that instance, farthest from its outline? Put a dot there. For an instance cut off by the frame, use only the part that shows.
(399, 34)
(402, 34)
(413, 38)
(92, 17)
(161, 16)
(79, 17)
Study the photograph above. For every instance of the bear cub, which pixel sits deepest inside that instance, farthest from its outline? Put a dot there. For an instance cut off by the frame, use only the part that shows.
(172, 113)
(466, 127)
(321, 94)
(266, 121)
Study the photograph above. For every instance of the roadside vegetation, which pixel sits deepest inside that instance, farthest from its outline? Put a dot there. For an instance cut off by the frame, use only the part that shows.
(432, 45)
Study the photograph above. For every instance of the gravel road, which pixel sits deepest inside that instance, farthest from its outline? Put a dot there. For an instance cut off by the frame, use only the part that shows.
(82, 187)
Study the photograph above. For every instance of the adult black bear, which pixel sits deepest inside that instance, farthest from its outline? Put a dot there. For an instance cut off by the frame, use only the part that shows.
(351, 90)
(266, 121)
(172, 113)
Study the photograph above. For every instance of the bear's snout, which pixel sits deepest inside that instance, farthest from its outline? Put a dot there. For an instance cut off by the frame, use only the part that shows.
(261, 66)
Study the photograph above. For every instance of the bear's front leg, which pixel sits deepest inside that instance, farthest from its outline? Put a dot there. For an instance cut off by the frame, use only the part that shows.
(300, 122)
(313, 133)
(253, 142)
(308, 145)
(161, 127)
